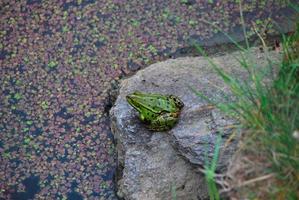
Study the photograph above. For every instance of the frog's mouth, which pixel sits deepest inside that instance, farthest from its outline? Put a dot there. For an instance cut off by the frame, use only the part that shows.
(129, 99)
(132, 101)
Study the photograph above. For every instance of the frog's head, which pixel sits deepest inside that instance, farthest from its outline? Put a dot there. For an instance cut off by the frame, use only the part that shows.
(137, 101)
(143, 104)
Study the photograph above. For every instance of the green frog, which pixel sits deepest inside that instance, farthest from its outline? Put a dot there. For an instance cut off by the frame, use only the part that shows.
(158, 112)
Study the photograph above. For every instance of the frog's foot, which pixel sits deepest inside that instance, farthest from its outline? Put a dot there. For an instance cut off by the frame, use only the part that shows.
(165, 121)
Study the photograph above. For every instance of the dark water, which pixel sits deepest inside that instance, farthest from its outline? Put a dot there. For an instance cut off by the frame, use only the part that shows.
(58, 60)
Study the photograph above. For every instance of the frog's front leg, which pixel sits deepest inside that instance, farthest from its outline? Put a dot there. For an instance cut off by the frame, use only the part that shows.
(165, 121)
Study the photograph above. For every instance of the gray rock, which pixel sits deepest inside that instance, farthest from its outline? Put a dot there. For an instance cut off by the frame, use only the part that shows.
(155, 162)
(152, 170)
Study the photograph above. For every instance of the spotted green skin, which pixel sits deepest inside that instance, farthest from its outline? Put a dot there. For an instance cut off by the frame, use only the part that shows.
(158, 112)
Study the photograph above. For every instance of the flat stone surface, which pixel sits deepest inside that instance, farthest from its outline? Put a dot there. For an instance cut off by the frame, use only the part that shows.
(151, 171)
(143, 153)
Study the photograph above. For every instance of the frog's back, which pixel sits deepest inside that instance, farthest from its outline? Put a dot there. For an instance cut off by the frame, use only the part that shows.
(160, 103)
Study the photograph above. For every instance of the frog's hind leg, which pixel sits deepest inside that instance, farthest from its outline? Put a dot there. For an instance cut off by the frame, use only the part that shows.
(164, 122)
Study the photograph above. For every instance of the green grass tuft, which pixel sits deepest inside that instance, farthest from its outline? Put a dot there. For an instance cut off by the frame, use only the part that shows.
(210, 169)
(269, 115)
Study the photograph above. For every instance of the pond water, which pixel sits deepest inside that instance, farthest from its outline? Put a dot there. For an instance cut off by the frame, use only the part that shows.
(58, 60)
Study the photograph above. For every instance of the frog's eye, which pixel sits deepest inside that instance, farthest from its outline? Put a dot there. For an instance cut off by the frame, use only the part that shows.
(177, 101)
